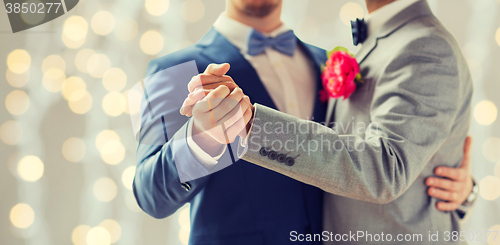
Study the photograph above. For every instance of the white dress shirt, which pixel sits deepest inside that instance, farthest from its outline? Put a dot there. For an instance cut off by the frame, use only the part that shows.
(290, 81)
(379, 17)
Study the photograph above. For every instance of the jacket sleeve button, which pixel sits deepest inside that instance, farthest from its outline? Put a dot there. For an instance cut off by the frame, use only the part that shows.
(281, 158)
(263, 151)
(273, 155)
(290, 161)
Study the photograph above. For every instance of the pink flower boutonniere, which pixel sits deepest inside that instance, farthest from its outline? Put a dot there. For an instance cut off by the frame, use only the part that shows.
(340, 75)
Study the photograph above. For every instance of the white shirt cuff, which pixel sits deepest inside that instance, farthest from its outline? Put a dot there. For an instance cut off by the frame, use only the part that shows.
(244, 141)
(199, 153)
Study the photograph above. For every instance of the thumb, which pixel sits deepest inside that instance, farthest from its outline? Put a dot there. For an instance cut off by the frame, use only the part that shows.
(467, 147)
(217, 69)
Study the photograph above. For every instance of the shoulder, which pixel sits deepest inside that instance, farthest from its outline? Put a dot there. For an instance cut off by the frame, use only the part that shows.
(428, 36)
(317, 52)
(184, 55)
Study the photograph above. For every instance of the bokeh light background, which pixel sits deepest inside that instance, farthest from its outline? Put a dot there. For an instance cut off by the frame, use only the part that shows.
(67, 150)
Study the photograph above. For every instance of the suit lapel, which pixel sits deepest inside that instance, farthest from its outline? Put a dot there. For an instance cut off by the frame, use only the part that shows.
(318, 56)
(217, 49)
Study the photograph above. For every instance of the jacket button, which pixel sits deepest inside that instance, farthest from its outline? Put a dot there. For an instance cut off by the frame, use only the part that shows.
(281, 158)
(186, 186)
(273, 155)
(263, 151)
(290, 161)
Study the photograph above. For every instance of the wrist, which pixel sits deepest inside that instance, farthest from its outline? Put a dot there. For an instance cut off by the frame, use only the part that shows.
(206, 142)
(473, 194)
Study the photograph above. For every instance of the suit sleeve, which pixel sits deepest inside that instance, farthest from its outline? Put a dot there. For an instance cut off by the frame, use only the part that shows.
(414, 106)
(163, 156)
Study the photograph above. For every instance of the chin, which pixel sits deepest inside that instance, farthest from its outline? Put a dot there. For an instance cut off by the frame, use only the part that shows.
(257, 8)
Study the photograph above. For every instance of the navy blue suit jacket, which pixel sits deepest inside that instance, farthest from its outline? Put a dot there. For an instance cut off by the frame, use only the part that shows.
(243, 203)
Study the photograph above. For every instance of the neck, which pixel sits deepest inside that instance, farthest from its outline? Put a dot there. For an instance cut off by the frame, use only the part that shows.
(372, 5)
(265, 24)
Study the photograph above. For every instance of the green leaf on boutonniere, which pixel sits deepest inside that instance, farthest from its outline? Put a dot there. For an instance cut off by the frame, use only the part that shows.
(338, 49)
(359, 78)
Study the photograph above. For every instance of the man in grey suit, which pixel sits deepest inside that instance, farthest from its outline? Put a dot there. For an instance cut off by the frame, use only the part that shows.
(411, 115)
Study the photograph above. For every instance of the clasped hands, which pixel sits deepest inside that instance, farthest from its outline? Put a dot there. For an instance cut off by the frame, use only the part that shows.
(220, 109)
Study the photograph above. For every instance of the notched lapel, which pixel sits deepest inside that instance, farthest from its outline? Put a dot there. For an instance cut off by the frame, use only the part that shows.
(368, 46)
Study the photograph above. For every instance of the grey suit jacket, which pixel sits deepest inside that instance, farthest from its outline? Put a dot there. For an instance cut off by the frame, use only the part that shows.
(411, 115)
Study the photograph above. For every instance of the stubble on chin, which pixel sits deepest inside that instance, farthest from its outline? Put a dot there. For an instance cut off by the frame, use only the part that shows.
(260, 10)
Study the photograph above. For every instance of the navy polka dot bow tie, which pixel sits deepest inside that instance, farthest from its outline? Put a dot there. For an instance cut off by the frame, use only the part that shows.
(359, 31)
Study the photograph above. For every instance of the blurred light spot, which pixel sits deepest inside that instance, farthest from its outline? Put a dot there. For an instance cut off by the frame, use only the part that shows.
(74, 32)
(494, 237)
(22, 215)
(11, 132)
(97, 65)
(485, 112)
(128, 177)
(74, 88)
(75, 28)
(17, 80)
(80, 102)
(184, 220)
(114, 79)
(491, 149)
(105, 189)
(105, 136)
(30, 18)
(53, 80)
(112, 152)
(98, 236)
(82, 59)
(151, 42)
(133, 98)
(17, 102)
(489, 188)
(74, 44)
(193, 10)
(131, 203)
(498, 36)
(103, 23)
(53, 61)
(74, 149)
(351, 11)
(156, 7)
(19, 61)
(79, 235)
(30, 168)
(114, 104)
(497, 170)
(126, 29)
(185, 223)
(113, 228)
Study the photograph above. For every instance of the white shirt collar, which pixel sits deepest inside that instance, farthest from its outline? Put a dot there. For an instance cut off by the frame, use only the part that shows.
(379, 17)
(237, 33)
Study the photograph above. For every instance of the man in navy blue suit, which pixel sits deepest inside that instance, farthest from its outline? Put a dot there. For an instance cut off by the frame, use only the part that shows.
(241, 203)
